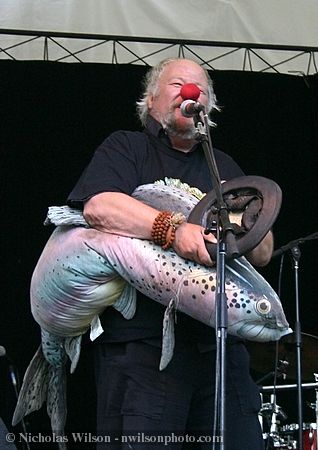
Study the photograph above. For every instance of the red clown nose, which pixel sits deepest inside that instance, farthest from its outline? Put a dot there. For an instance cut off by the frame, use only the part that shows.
(190, 91)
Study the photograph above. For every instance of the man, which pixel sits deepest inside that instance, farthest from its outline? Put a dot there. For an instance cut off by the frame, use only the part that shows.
(133, 395)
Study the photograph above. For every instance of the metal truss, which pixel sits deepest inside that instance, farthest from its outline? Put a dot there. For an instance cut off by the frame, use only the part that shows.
(214, 55)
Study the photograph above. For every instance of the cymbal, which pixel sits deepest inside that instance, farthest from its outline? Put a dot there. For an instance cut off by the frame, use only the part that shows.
(262, 356)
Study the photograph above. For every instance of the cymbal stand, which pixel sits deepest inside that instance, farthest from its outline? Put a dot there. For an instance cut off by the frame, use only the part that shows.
(273, 432)
(273, 414)
(296, 258)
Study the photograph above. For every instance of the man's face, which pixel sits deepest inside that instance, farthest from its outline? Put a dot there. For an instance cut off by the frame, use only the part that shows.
(164, 106)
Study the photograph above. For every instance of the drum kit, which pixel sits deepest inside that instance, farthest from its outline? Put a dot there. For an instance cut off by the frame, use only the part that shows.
(277, 360)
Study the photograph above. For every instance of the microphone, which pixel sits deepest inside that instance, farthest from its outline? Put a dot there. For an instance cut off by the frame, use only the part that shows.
(190, 108)
(3, 351)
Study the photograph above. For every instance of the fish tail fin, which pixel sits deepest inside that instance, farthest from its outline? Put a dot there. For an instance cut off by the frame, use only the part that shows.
(34, 388)
(56, 399)
(43, 383)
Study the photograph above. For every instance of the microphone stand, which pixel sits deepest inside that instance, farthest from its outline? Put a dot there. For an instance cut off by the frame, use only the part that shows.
(226, 247)
(293, 246)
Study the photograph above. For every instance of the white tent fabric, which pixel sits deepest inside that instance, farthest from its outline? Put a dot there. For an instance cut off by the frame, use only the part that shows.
(278, 22)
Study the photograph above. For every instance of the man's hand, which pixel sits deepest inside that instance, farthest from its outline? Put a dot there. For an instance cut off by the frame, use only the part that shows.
(190, 243)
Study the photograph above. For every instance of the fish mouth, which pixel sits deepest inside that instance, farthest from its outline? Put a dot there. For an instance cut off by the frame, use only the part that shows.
(268, 331)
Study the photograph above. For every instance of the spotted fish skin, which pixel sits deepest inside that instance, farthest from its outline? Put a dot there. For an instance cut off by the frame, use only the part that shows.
(83, 271)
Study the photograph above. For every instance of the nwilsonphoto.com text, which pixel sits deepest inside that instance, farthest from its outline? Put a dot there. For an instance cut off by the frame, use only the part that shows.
(137, 438)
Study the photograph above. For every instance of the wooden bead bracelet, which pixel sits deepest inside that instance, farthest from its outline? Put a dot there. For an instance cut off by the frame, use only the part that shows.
(164, 228)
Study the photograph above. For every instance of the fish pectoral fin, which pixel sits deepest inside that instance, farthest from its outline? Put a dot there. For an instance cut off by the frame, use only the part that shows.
(126, 303)
(34, 389)
(96, 328)
(168, 338)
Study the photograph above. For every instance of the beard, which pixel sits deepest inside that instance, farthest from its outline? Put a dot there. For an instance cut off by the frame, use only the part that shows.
(174, 129)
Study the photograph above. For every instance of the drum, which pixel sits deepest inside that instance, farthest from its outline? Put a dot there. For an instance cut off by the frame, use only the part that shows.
(290, 435)
(310, 436)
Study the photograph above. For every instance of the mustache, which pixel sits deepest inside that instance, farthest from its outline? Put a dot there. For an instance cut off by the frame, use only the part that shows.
(173, 128)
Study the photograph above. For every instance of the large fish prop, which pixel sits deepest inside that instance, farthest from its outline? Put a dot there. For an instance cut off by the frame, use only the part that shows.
(82, 271)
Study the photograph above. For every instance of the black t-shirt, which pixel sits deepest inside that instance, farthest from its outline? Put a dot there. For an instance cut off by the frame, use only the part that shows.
(122, 162)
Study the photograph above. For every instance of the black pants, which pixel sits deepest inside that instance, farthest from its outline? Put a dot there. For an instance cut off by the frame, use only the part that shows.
(139, 407)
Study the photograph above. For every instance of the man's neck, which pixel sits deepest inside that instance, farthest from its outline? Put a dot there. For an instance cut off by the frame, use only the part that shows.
(176, 142)
(183, 145)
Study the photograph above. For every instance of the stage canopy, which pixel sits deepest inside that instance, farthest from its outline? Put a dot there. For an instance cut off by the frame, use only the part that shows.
(270, 36)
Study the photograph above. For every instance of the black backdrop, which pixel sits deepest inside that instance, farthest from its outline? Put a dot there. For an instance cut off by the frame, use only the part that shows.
(53, 115)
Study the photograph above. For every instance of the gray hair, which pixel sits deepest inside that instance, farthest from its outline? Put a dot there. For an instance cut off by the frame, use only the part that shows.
(151, 87)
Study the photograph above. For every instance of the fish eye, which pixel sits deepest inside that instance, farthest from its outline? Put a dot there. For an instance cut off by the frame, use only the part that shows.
(263, 306)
